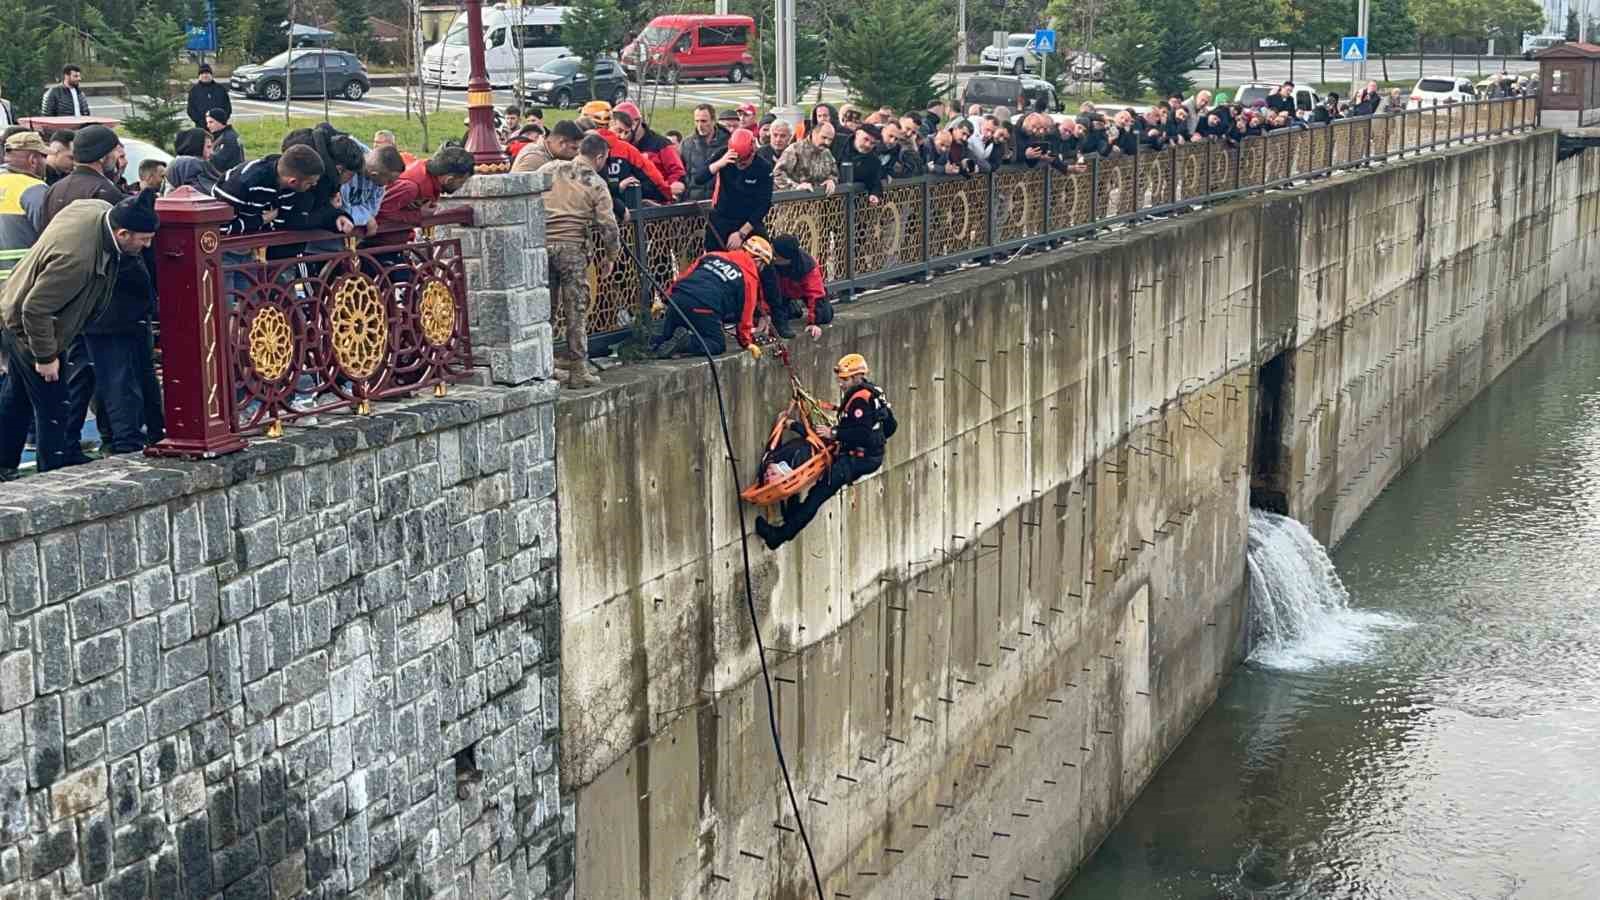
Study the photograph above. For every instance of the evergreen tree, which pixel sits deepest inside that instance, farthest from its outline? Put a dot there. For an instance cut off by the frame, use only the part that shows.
(145, 53)
(30, 43)
(269, 36)
(1129, 47)
(353, 18)
(889, 52)
(1174, 46)
(592, 29)
(1573, 25)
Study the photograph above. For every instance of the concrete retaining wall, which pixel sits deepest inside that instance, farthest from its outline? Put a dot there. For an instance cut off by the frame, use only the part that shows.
(981, 653)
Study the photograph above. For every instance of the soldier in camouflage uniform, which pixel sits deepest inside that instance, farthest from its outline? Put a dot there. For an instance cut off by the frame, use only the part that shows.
(808, 165)
(577, 207)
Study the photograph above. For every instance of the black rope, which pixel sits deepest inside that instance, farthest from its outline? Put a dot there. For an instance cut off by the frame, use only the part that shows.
(744, 549)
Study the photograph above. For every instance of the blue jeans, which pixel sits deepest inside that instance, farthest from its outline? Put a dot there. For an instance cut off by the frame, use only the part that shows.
(25, 396)
(120, 388)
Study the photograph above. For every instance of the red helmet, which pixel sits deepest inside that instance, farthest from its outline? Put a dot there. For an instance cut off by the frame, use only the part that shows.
(742, 143)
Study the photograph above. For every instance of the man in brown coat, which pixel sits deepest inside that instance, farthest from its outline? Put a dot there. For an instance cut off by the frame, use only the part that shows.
(64, 283)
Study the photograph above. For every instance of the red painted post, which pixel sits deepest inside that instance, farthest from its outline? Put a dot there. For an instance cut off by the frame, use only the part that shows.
(482, 142)
(196, 380)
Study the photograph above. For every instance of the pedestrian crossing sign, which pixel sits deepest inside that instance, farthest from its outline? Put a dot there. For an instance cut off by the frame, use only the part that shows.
(1353, 49)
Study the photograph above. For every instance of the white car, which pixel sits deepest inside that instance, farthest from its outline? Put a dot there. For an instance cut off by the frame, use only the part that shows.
(1208, 57)
(532, 32)
(1016, 57)
(1442, 89)
(1088, 67)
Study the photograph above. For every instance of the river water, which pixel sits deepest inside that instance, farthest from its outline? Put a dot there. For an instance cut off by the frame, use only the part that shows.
(1441, 737)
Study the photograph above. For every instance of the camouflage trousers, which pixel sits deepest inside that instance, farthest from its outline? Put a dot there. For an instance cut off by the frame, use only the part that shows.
(569, 290)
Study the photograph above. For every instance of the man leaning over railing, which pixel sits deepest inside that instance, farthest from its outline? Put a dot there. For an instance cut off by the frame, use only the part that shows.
(65, 282)
(416, 193)
(808, 164)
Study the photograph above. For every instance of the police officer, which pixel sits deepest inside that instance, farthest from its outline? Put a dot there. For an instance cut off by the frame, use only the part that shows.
(721, 286)
(866, 422)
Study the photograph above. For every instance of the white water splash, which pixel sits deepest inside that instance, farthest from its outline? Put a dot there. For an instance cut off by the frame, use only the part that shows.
(1300, 614)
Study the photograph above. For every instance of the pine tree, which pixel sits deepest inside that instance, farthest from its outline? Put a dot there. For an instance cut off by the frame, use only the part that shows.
(30, 42)
(353, 18)
(1129, 48)
(592, 29)
(145, 53)
(890, 51)
(1174, 46)
(269, 36)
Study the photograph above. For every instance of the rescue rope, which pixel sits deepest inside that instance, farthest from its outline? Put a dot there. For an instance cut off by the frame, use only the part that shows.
(744, 550)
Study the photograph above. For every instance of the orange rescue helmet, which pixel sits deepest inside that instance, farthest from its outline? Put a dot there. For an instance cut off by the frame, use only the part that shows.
(759, 248)
(850, 365)
(598, 110)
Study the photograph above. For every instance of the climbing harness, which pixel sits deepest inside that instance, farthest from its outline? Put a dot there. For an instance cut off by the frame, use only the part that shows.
(807, 413)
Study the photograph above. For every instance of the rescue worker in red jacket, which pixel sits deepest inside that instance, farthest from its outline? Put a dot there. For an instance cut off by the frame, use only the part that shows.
(720, 286)
(800, 284)
(866, 422)
(655, 148)
(625, 162)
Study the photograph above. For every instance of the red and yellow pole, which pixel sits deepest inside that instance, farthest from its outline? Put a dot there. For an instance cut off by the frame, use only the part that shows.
(482, 142)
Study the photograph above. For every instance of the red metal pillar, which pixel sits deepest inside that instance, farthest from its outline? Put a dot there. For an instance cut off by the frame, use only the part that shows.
(196, 380)
(482, 142)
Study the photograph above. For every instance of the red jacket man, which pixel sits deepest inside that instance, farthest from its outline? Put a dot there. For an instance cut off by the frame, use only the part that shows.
(655, 148)
(412, 196)
(628, 153)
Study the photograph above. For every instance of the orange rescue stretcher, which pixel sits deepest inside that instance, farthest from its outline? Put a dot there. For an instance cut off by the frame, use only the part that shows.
(807, 412)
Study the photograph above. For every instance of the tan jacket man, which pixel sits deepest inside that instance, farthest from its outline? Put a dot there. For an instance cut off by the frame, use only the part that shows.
(577, 208)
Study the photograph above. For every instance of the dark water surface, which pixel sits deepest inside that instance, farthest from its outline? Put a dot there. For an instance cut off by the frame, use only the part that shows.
(1453, 750)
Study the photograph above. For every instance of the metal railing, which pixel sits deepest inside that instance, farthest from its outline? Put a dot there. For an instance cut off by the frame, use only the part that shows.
(934, 222)
(259, 330)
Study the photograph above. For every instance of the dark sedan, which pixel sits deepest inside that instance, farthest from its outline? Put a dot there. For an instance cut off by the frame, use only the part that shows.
(311, 73)
(562, 83)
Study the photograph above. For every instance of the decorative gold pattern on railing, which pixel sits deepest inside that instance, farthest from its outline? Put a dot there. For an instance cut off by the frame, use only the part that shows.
(437, 312)
(360, 328)
(271, 343)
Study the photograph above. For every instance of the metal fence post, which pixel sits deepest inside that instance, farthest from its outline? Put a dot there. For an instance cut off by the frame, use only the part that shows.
(1137, 145)
(1049, 191)
(1207, 162)
(1172, 197)
(847, 176)
(1238, 163)
(1434, 141)
(633, 198)
(994, 193)
(1094, 189)
(927, 226)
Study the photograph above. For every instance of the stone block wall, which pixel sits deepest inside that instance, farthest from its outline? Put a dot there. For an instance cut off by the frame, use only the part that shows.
(507, 275)
(322, 667)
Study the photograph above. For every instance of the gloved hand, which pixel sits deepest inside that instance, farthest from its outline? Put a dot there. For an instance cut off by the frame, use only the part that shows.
(755, 351)
(658, 308)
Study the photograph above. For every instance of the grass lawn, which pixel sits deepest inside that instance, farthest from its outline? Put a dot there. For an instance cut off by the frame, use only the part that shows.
(263, 136)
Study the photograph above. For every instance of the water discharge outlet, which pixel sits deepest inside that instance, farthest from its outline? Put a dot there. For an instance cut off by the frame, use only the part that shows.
(1299, 614)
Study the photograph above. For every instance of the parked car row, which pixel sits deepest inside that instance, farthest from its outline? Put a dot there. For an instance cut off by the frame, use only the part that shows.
(1019, 56)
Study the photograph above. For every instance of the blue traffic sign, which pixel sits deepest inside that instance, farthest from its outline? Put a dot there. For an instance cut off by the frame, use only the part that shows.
(1353, 49)
(1044, 40)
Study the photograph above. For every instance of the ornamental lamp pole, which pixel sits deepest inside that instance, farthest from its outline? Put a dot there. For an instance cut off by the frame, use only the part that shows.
(482, 142)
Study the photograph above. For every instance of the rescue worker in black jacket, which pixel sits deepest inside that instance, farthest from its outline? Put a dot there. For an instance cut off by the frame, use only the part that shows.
(866, 422)
(735, 286)
(741, 194)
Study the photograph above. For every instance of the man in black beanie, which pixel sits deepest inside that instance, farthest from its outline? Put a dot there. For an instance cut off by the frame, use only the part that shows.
(207, 94)
(98, 160)
(227, 150)
(65, 282)
(119, 340)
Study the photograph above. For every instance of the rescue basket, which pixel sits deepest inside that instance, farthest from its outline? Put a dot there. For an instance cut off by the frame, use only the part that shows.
(805, 412)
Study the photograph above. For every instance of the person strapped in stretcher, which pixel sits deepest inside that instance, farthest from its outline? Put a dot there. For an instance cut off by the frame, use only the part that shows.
(851, 449)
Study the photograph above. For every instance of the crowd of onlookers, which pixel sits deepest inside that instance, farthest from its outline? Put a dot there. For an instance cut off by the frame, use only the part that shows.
(321, 178)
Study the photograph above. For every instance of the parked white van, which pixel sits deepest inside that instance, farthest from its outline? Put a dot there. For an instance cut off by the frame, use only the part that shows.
(534, 31)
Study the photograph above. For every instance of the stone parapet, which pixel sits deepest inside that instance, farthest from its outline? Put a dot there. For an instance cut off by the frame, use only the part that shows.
(324, 666)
